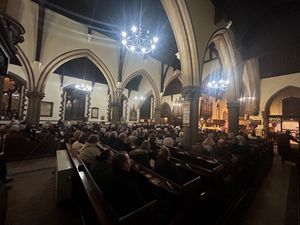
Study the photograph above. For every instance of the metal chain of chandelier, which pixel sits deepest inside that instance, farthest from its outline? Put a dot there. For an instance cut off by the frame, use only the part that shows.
(138, 41)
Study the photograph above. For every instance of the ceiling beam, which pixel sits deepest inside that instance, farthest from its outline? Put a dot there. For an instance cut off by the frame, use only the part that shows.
(121, 63)
(163, 74)
(41, 17)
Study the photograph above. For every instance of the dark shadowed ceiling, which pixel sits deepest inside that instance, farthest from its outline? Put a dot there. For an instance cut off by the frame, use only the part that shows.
(134, 83)
(267, 29)
(111, 17)
(82, 68)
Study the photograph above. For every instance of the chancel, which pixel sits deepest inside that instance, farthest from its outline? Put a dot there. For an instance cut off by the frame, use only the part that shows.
(155, 112)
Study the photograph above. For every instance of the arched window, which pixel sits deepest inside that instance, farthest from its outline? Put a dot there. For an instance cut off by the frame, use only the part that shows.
(75, 103)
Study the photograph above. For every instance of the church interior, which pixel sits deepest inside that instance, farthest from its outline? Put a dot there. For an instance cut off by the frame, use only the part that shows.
(155, 112)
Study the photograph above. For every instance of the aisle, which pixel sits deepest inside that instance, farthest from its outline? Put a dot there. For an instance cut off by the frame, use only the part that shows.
(269, 203)
(31, 201)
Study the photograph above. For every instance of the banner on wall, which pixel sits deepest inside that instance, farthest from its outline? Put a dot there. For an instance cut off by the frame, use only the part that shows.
(186, 113)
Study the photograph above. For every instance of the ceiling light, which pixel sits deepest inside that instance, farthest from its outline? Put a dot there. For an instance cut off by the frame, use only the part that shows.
(138, 41)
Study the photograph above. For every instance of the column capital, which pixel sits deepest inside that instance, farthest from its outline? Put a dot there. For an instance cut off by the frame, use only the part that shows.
(35, 94)
(119, 90)
(233, 105)
(191, 92)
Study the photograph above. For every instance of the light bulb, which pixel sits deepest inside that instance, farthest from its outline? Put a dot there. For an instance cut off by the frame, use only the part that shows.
(132, 48)
(124, 42)
(143, 50)
(155, 39)
(124, 34)
(152, 47)
(133, 29)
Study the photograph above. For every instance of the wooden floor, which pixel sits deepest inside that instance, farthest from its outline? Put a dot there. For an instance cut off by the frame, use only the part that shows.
(31, 201)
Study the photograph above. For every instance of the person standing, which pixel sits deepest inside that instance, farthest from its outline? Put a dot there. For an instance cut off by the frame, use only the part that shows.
(284, 147)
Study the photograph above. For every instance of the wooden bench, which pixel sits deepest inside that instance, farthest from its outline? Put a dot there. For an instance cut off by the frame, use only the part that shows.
(103, 213)
(17, 147)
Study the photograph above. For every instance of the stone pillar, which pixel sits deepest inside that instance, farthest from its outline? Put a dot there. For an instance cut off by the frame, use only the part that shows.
(191, 96)
(34, 107)
(233, 117)
(1, 92)
(116, 106)
(157, 115)
(265, 115)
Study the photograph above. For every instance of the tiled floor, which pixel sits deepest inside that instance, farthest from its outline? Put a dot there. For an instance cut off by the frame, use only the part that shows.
(31, 201)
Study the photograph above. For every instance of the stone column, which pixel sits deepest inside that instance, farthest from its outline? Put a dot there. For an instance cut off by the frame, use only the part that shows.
(1, 92)
(34, 107)
(191, 96)
(157, 115)
(116, 106)
(233, 117)
(265, 115)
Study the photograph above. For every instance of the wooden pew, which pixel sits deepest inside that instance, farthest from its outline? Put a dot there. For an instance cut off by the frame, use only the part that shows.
(191, 190)
(16, 147)
(103, 212)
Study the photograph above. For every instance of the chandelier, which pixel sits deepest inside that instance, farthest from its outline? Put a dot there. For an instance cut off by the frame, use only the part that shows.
(137, 41)
(244, 99)
(84, 87)
(220, 84)
(139, 98)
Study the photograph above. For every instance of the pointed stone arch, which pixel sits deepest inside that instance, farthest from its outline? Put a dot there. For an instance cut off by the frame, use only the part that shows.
(231, 61)
(27, 68)
(67, 56)
(277, 93)
(147, 76)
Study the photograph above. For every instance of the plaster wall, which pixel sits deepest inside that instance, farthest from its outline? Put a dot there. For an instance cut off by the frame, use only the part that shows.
(53, 91)
(276, 106)
(270, 86)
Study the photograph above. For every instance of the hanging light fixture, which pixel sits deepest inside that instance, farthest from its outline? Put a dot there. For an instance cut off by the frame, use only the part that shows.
(83, 86)
(137, 41)
(139, 98)
(244, 99)
(218, 84)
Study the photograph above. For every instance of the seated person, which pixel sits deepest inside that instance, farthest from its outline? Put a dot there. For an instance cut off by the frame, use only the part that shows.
(199, 150)
(120, 144)
(78, 145)
(209, 142)
(220, 151)
(101, 169)
(153, 147)
(179, 139)
(125, 195)
(89, 152)
(76, 136)
(165, 167)
(140, 154)
(168, 141)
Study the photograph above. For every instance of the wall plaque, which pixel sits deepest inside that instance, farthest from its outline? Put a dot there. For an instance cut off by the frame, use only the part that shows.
(186, 113)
